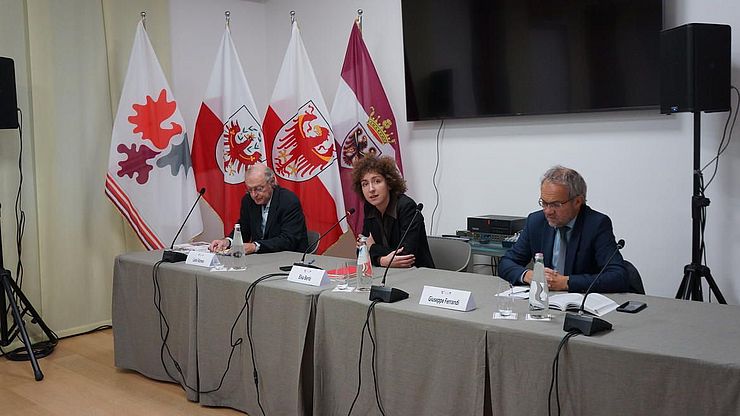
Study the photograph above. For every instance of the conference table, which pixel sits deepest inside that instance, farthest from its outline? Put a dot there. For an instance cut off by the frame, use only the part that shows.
(674, 357)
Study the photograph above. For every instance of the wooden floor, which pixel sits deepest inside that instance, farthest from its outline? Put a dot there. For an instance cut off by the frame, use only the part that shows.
(80, 379)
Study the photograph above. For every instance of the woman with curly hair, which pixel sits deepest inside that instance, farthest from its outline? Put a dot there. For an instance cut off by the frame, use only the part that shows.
(388, 212)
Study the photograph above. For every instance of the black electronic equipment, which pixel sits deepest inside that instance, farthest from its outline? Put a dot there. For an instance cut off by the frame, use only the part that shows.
(473, 58)
(695, 68)
(8, 97)
(632, 306)
(504, 225)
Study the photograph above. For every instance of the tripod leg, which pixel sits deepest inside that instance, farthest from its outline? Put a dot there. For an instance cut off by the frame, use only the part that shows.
(713, 286)
(21, 325)
(690, 288)
(36, 318)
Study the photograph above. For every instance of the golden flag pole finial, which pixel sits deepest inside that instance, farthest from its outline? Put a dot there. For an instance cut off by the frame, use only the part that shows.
(143, 19)
(359, 19)
(228, 19)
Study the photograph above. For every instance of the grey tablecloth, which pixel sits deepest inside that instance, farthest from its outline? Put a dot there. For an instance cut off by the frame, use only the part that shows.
(673, 358)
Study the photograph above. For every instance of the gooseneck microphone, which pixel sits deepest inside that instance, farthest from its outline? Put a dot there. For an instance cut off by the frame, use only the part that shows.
(315, 244)
(585, 324)
(381, 293)
(170, 255)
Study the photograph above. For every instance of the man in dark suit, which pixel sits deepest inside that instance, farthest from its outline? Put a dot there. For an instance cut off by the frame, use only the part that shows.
(271, 217)
(576, 240)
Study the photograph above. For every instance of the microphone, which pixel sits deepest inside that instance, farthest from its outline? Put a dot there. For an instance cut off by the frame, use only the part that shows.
(586, 324)
(385, 294)
(172, 256)
(315, 244)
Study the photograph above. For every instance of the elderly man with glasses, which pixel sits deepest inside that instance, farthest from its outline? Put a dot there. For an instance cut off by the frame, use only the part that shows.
(576, 241)
(271, 217)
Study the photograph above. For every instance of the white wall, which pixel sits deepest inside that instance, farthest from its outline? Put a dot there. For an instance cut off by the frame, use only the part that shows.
(637, 164)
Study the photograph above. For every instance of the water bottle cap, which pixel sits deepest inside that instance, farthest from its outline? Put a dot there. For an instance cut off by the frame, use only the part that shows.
(363, 239)
(539, 256)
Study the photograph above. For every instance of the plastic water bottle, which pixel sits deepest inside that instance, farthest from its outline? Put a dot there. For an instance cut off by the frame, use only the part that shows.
(538, 295)
(237, 247)
(364, 267)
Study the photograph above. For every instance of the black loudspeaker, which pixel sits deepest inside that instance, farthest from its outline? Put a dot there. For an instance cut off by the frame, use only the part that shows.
(695, 68)
(8, 98)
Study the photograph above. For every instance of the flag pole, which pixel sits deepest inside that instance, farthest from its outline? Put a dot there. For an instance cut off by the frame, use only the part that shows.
(228, 19)
(292, 17)
(143, 19)
(359, 19)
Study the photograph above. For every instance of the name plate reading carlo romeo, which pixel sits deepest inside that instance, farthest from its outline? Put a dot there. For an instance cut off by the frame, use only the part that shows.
(440, 297)
(308, 276)
(201, 258)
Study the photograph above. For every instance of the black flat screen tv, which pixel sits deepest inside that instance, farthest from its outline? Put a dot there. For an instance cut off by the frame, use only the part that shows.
(482, 58)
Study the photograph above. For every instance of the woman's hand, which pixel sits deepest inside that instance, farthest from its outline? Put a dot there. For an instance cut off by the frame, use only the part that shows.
(401, 260)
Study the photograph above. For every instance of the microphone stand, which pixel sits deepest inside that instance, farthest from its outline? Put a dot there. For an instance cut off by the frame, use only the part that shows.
(170, 255)
(302, 263)
(586, 324)
(382, 293)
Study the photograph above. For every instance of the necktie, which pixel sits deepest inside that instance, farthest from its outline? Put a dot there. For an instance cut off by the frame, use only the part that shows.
(563, 235)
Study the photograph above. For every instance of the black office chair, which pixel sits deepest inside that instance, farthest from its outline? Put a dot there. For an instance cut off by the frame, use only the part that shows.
(634, 278)
(313, 238)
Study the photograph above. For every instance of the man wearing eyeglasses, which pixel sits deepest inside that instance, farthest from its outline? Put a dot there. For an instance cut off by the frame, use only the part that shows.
(575, 240)
(271, 217)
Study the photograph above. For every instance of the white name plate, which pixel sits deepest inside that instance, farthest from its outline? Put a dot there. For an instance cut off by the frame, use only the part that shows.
(202, 258)
(440, 297)
(308, 276)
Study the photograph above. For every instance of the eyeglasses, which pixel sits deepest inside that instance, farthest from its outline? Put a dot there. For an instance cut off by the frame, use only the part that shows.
(257, 189)
(553, 205)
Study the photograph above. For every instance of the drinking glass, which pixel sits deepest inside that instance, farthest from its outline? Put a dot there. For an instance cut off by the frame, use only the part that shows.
(342, 275)
(504, 301)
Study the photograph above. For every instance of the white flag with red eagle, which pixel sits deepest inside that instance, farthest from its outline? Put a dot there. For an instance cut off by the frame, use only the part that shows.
(300, 143)
(150, 178)
(364, 123)
(228, 135)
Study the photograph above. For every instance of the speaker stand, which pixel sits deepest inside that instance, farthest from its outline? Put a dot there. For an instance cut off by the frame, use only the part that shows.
(11, 292)
(691, 288)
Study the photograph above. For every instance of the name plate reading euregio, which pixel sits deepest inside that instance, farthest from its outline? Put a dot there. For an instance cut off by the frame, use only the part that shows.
(308, 276)
(440, 297)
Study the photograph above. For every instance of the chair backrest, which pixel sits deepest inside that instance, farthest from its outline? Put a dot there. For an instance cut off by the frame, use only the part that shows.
(635, 280)
(313, 237)
(450, 253)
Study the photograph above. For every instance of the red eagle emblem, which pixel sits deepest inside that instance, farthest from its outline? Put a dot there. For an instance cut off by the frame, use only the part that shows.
(305, 147)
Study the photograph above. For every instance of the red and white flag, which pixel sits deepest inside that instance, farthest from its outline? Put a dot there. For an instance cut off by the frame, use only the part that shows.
(300, 143)
(364, 123)
(150, 178)
(228, 135)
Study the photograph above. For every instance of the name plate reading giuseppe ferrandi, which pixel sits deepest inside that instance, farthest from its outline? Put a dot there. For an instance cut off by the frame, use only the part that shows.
(202, 258)
(440, 297)
(308, 276)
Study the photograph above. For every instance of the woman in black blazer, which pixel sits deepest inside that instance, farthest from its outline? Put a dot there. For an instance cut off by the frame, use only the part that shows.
(388, 212)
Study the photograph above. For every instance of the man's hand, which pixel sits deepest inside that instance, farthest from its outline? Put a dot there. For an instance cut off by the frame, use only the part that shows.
(250, 248)
(401, 260)
(218, 246)
(528, 276)
(555, 280)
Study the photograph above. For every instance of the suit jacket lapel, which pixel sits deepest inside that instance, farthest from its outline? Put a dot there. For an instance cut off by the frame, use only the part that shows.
(255, 220)
(271, 215)
(548, 238)
(573, 241)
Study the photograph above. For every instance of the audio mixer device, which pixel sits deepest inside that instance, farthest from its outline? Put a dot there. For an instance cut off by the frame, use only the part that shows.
(492, 228)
